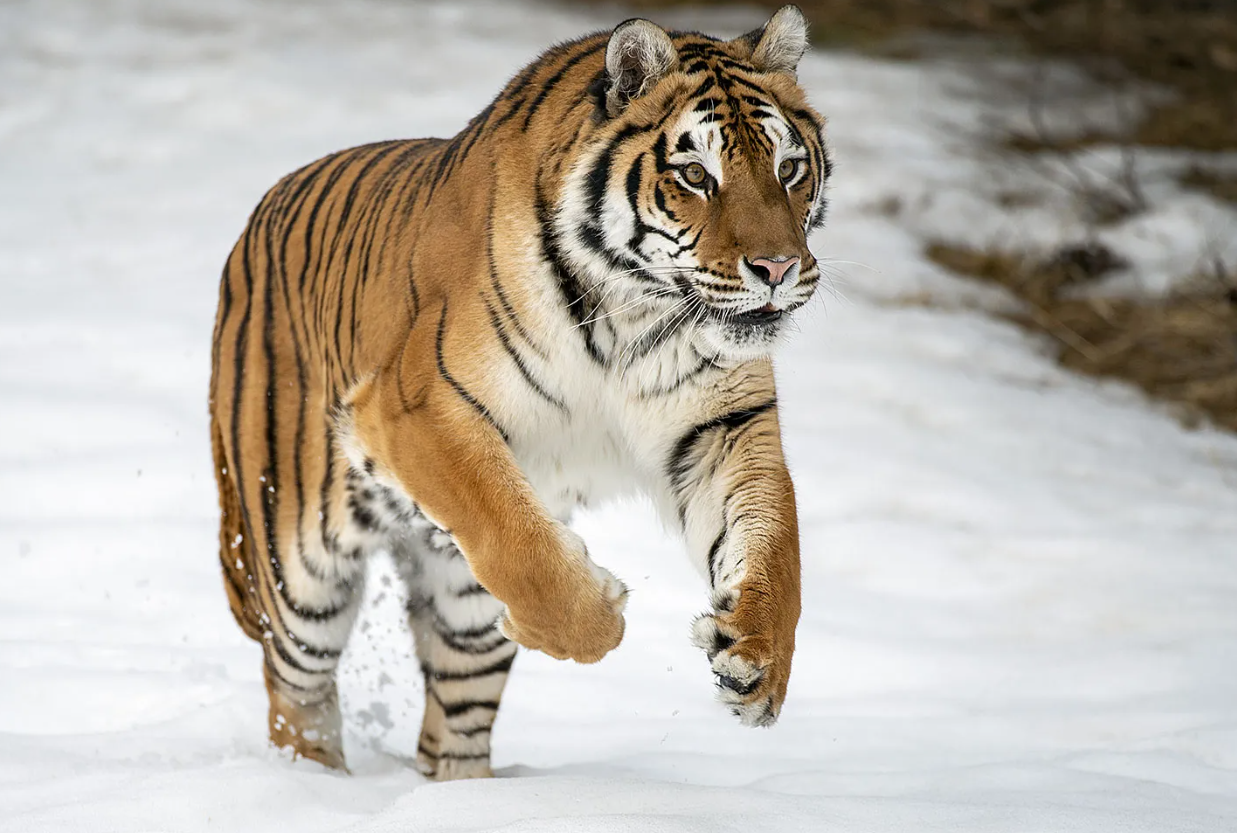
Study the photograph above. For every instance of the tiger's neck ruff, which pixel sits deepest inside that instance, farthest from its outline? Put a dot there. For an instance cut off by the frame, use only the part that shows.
(441, 347)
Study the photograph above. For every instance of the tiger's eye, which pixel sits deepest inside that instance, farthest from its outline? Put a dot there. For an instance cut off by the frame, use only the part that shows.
(695, 174)
(787, 169)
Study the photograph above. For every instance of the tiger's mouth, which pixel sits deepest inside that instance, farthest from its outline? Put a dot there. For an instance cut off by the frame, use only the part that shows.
(766, 316)
(761, 316)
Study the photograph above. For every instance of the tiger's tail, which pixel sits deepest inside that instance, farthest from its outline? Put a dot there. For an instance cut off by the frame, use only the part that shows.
(234, 549)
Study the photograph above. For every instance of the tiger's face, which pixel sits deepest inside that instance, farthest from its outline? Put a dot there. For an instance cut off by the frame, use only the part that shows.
(697, 202)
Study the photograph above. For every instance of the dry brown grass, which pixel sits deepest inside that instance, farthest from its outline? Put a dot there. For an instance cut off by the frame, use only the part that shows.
(1181, 349)
(1220, 185)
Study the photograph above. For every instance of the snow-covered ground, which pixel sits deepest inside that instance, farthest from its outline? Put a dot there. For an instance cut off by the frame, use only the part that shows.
(1020, 587)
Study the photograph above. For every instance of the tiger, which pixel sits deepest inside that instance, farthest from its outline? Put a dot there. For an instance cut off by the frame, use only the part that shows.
(442, 348)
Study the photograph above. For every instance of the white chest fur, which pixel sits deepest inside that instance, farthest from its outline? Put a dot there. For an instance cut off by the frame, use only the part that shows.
(581, 460)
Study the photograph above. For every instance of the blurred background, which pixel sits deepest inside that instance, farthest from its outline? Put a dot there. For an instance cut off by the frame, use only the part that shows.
(1009, 413)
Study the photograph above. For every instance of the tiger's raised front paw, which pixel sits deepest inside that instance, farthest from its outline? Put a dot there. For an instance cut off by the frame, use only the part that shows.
(580, 618)
(749, 658)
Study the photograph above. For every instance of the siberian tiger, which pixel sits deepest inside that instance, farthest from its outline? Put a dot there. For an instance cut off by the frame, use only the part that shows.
(442, 347)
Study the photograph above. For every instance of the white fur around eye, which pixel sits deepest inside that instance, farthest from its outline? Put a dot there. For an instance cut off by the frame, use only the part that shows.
(799, 173)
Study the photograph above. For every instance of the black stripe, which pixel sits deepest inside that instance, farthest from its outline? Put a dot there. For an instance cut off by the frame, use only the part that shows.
(657, 335)
(314, 255)
(446, 161)
(704, 365)
(270, 493)
(379, 152)
(417, 176)
(688, 246)
(274, 641)
(599, 175)
(216, 344)
(284, 681)
(328, 477)
(295, 205)
(298, 473)
(519, 361)
(640, 228)
(465, 706)
(260, 217)
(726, 62)
(475, 128)
(659, 199)
(317, 652)
(378, 199)
(552, 81)
(568, 285)
(463, 756)
(444, 628)
(743, 82)
(512, 111)
(460, 389)
(456, 756)
(592, 236)
(478, 126)
(509, 310)
(678, 464)
(502, 666)
(474, 647)
(659, 154)
(345, 223)
(395, 175)
(238, 371)
(712, 557)
(475, 730)
(402, 169)
(279, 629)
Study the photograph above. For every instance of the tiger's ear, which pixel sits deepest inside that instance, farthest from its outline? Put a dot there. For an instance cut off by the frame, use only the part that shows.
(639, 54)
(780, 43)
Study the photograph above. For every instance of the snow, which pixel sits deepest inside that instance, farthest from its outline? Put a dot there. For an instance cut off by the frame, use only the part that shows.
(1018, 584)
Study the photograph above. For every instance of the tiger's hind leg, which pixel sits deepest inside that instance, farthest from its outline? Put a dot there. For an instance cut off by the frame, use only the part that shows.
(299, 602)
(464, 657)
(302, 644)
(316, 597)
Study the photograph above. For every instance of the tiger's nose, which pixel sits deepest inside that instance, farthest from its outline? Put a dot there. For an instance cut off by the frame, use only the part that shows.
(772, 270)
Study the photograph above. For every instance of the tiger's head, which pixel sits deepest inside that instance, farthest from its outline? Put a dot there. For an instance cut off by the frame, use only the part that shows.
(694, 199)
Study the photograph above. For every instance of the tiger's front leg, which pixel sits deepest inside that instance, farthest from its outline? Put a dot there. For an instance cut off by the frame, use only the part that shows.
(737, 506)
(425, 434)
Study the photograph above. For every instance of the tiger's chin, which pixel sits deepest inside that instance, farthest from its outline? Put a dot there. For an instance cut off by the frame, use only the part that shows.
(743, 338)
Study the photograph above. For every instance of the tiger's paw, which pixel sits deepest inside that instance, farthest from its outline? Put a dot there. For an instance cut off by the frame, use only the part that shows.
(307, 730)
(582, 620)
(751, 667)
